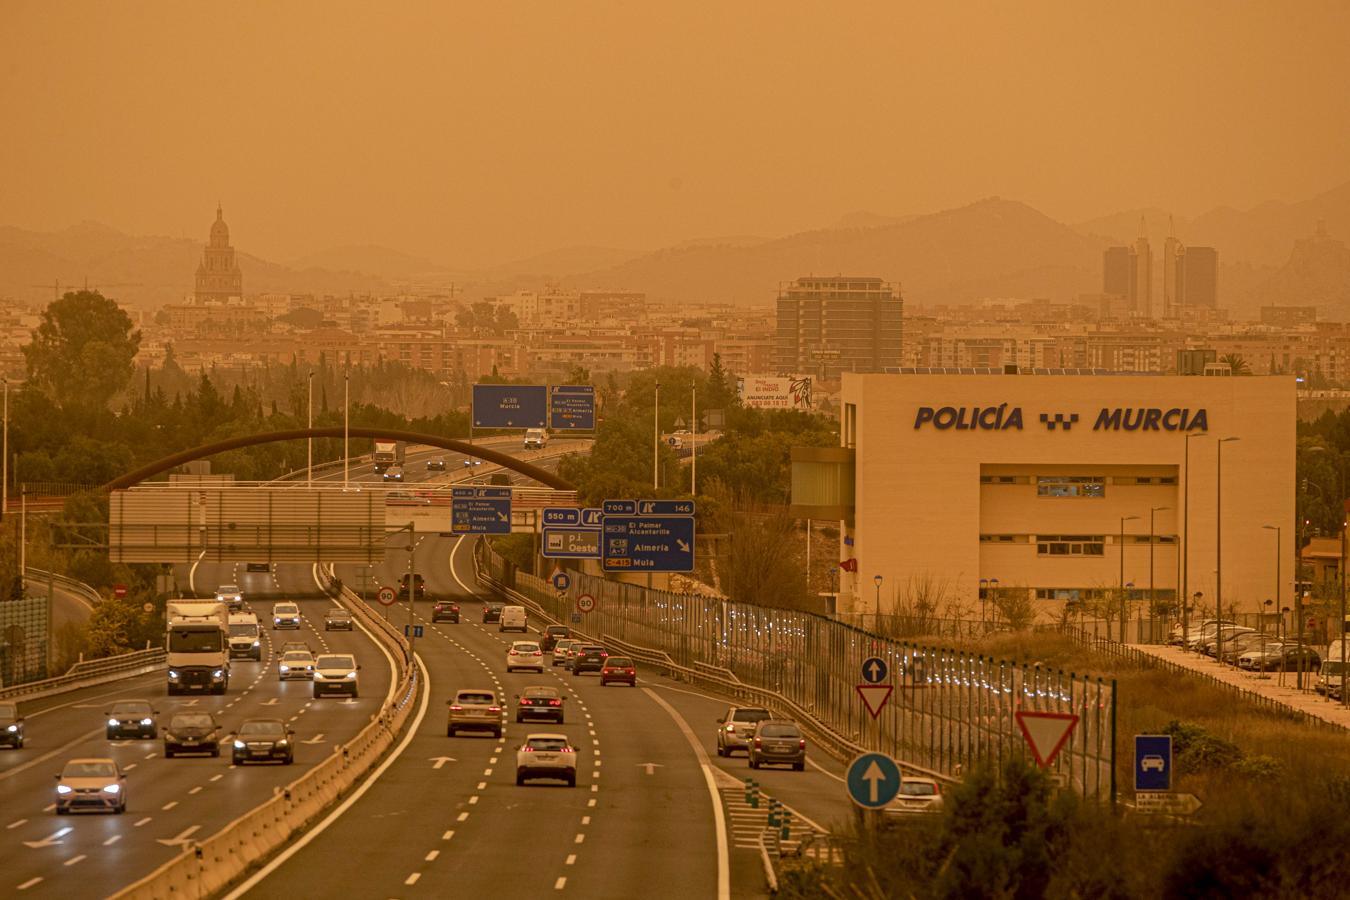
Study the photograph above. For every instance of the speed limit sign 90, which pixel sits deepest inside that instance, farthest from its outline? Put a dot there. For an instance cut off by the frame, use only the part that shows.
(585, 603)
(387, 596)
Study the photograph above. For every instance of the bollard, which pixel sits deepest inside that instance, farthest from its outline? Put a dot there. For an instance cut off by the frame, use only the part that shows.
(773, 814)
(751, 793)
(786, 833)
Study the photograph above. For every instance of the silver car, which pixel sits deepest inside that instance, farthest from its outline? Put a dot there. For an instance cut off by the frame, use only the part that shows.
(296, 664)
(736, 726)
(94, 783)
(777, 742)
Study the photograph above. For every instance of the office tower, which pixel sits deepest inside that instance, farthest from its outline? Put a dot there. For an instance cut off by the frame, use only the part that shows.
(831, 325)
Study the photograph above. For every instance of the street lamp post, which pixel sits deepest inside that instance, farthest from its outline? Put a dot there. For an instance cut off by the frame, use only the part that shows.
(4, 458)
(656, 437)
(1152, 596)
(309, 442)
(1121, 554)
(984, 600)
(346, 428)
(993, 595)
(693, 462)
(1218, 547)
(876, 619)
(1186, 540)
(1276, 529)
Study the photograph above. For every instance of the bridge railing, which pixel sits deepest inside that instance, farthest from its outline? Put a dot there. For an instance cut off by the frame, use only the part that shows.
(88, 673)
(949, 709)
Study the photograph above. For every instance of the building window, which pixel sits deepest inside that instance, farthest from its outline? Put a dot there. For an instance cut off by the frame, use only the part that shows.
(998, 538)
(1069, 595)
(1156, 479)
(998, 479)
(1070, 486)
(1070, 545)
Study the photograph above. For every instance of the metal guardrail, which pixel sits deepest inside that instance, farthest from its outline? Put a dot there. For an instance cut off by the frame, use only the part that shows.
(73, 585)
(88, 673)
(214, 863)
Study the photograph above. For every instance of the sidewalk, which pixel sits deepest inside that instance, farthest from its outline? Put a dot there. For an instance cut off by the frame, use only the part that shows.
(1271, 685)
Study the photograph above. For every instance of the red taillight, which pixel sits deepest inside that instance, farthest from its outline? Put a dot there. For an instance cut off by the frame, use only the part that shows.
(456, 708)
(630, 671)
(555, 703)
(758, 742)
(603, 654)
(524, 702)
(565, 750)
(494, 709)
(527, 749)
(802, 743)
(539, 653)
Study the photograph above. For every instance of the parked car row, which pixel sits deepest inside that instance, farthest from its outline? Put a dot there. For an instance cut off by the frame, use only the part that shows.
(1248, 648)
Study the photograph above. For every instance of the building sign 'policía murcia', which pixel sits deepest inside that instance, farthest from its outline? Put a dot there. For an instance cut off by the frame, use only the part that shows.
(1010, 418)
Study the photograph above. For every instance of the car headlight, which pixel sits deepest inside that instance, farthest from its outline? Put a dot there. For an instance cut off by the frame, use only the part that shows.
(147, 721)
(113, 723)
(64, 789)
(112, 789)
(351, 674)
(12, 728)
(257, 643)
(285, 668)
(173, 674)
(239, 745)
(282, 742)
(218, 673)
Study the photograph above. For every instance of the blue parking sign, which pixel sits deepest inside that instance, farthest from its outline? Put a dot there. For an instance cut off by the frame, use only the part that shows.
(1152, 762)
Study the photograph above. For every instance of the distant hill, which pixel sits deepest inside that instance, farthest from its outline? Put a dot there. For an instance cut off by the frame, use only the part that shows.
(369, 259)
(947, 257)
(1317, 273)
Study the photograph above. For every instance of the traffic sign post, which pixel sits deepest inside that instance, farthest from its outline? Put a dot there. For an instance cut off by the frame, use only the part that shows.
(480, 510)
(585, 603)
(873, 780)
(509, 405)
(1152, 762)
(875, 670)
(571, 407)
(1046, 733)
(639, 544)
(386, 595)
(561, 581)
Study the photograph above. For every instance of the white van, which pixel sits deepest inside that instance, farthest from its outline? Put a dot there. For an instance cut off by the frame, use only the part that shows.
(535, 438)
(245, 639)
(513, 619)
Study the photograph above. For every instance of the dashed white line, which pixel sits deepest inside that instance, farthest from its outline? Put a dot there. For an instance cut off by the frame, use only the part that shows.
(482, 785)
(571, 859)
(560, 883)
(168, 806)
(129, 766)
(74, 859)
(412, 879)
(430, 857)
(112, 840)
(217, 777)
(581, 838)
(585, 820)
(463, 816)
(16, 823)
(591, 802)
(141, 822)
(473, 799)
(196, 790)
(447, 836)
(29, 883)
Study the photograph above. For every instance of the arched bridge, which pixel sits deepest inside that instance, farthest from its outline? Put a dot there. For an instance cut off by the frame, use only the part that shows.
(505, 460)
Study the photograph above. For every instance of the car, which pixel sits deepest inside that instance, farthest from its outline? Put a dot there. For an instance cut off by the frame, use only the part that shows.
(11, 726)
(335, 673)
(419, 587)
(918, 795)
(1210, 645)
(191, 732)
(546, 756)
(258, 567)
(445, 611)
(295, 664)
(620, 670)
(540, 702)
(436, 465)
(560, 649)
(736, 725)
(777, 742)
(231, 595)
(285, 615)
(1240, 644)
(245, 639)
(1289, 656)
(393, 473)
(131, 719)
(535, 439)
(474, 709)
(492, 611)
(1152, 763)
(294, 645)
(525, 655)
(337, 619)
(588, 658)
(552, 634)
(263, 740)
(91, 783)
(512, 619)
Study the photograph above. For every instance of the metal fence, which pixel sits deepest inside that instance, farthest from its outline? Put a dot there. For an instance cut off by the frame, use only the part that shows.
(949, 709)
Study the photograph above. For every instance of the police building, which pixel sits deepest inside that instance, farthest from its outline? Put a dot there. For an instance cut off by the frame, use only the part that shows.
(1062, 488)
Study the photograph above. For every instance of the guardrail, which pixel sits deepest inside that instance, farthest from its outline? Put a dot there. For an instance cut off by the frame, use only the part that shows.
(88, 673)
(206, 867)
(86, 593)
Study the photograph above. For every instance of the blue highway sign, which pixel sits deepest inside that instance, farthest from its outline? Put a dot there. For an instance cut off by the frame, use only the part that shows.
(571, 407)
(480, 510)
(873, 780)
(592, 517)
(561, 580)
(562, 515)
(874, 670)
(665, 507)
(619, 507)
(641, 544)
(1152, 762)
(565, 542)
(509, 405)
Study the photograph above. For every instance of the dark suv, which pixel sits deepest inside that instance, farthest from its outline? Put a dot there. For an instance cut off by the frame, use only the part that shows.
(445, 610)
(589, 658)
(552, 634)
(419, 587)
(492, 611)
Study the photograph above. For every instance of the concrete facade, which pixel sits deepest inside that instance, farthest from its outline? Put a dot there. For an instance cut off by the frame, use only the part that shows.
(967, 477)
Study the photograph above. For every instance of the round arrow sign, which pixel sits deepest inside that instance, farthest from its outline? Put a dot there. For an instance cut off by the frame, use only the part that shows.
(873, 780)
(561, 580)
(387, 596)
(585, 603)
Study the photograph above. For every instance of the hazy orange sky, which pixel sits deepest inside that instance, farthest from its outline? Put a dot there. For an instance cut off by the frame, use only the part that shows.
(475, 133)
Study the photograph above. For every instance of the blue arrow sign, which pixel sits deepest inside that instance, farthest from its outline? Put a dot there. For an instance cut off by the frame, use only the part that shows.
(480, 510)
(592, 517)
(561, 581)
(873, 780)
(665, 507)
(571, 407)
(874, 670)
(619, 507)
(562, 515)
(509, 405)
(643, 544)
(1152, 762)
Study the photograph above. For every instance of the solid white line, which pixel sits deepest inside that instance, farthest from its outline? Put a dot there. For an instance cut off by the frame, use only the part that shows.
(357, 794)
(719, 817)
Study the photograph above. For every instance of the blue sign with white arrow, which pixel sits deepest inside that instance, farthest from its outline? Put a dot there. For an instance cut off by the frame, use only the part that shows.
(480, 510)
(873, 780)
(874, 670)
(647, 544)
(1152, 762)
(571, 407)
(592, 517)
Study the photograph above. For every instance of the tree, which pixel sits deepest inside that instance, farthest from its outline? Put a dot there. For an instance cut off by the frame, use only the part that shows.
(82, 351)
(721, 392)
(1235, 362)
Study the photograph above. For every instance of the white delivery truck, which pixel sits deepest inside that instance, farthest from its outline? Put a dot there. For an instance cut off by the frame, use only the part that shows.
(198, 646)
(387, 453)
(245, 638)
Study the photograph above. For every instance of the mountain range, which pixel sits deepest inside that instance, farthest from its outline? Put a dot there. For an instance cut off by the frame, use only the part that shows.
(990, 248)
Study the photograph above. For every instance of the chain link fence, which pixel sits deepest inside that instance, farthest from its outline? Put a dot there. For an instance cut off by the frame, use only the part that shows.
(949, 709)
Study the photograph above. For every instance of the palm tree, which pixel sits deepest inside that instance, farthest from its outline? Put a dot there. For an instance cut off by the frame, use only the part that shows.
(1236, 364)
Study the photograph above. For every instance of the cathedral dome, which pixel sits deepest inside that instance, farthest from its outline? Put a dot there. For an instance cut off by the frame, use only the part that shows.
(220, 232)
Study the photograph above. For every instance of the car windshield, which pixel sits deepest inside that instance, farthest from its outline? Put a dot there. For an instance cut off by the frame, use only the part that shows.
(8, 711)
(547, 692)
(131, 708)
(285, 609)
(780, 731)
(547, 743)
(337, 662)
(338, 614)
(204, 641)
(524, 646)
(591, 649)
(296, 656)
(192, 720)
(262, 728)
(227, 589)
(248, 630)
(918, 788)
(748, 714)
(558, 630)
(475, 698)
(619, 662)
(90, 769)
(494, 605)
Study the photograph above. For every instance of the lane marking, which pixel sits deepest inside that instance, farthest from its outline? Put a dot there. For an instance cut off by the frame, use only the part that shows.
(141, 822)
(590, 802)
(560, 883)
(462, 816)
(473, 799)
(585, 820)
(16, 823)
(571, 859)
(112, 840)
(29, 883)
(217, 777)
(168, 806)
(431, 857)
(581, 838)
(74, 859)
(196, 790)
(412, 879)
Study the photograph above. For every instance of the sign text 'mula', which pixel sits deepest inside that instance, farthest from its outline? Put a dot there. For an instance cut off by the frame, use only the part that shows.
(1004, 417)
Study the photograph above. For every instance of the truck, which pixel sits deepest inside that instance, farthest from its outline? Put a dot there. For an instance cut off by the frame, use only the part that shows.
(245, 640)
(535, 438)
(197, 642)
(387, 453)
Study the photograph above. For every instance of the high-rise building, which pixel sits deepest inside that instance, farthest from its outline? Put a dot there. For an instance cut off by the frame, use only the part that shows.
(218, 275)
(1200, 279)
(831, 325)
(1174, 253)
(1128, 272)
(1116, 271)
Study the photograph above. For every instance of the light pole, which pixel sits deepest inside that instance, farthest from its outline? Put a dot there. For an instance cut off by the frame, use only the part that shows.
(1152, 596)
(1218, 547)
(876, 620)
(309, 442)
(1123, 602)
(1276, 529)
(984, 600)
(4, 458)
(993, 589)
(1186, 542)
(346, 428)
(693, 459)
(656, 437)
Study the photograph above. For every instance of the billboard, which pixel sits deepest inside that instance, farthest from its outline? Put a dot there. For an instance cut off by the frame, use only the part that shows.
(509, 405)
(775, 391)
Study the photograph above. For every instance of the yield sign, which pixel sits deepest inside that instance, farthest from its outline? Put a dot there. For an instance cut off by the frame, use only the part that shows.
(874, 696)
(1046, 733)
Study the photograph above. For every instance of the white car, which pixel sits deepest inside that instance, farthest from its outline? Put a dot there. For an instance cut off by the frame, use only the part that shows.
(231, 595)
(285, 615)
(525, 655)
(296, 664)
(546, 756)
(91, 784)
(918, 795)
(335, 673)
